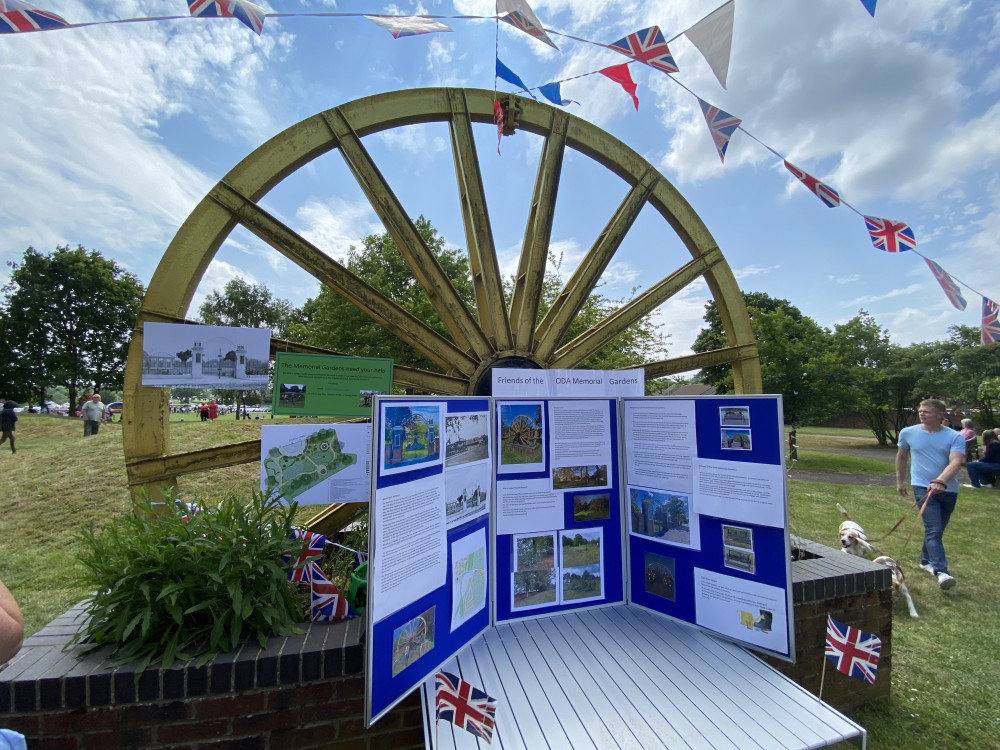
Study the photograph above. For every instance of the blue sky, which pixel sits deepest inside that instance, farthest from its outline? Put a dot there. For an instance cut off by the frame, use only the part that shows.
(114, 133)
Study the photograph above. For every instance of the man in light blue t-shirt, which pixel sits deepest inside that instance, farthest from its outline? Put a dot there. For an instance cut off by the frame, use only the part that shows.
(935, 453)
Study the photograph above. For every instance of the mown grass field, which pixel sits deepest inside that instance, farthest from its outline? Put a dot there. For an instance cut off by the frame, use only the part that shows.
(944, 693)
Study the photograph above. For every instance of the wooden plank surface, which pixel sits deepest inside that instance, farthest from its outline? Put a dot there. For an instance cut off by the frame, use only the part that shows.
(623, 678)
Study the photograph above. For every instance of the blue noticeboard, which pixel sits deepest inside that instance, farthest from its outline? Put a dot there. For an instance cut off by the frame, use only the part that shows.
(492, 510)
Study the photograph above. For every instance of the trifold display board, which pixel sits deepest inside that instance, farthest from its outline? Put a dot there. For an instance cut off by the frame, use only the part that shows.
(490, 510)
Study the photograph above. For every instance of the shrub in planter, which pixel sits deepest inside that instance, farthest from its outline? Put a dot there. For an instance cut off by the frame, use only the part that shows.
(177, 585)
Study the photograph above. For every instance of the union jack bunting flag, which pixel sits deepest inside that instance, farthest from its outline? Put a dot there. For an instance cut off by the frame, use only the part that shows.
(647, 46)
(400, 26)
(722, 126)
(852, 651)
(824, 192)
(19, 16)
(519, 20)
(312, 550)
(465, 706)
(891, 236)
(498, 118)
(327, 601)
(990, 327)
(248, 13)
(948, 284)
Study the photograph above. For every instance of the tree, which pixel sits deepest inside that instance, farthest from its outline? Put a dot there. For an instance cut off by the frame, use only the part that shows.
(332, 322)
(73, 315)
(797, 358)
(248, 306)
(957, 368)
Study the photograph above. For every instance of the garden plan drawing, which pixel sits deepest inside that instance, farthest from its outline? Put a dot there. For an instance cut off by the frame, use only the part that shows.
(296, 460)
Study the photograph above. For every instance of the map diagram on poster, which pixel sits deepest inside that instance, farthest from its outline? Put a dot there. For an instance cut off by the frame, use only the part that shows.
(297, 460)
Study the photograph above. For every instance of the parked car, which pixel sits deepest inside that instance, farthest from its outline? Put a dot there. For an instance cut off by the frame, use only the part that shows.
(115, 410)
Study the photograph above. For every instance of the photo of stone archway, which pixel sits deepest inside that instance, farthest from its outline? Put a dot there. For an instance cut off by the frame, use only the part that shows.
(176, 355)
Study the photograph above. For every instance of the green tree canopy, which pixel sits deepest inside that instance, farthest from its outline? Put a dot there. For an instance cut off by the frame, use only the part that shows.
(249, 306)
(68, 317)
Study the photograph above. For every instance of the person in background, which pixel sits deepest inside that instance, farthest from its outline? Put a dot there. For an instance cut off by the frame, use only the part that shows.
(937, 455)
(94, 412)
(11, 626)
(984, 471)
(7, 419)
(967, 430)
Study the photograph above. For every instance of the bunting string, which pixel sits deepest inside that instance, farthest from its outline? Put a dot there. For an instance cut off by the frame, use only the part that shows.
(711, 35)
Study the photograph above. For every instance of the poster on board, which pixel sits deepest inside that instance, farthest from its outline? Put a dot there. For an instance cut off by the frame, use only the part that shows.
(178, 355)
(328, 385)
(315, 464)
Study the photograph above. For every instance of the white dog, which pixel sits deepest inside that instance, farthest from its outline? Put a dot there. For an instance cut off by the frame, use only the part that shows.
(854, 542)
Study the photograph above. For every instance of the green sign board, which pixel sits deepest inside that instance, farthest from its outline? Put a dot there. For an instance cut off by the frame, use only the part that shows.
(328, 386)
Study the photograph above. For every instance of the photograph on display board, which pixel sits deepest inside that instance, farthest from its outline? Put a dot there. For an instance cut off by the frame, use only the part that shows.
(522, 437)
(660, 515)
(761, 622)
(533, 588)
(177, 355)
(468, 580)
(412, 436)
(737, 536)
(467, 494)
(412, 640)
(292, 395)
(367, 398)
(591, 507)
(466, 438)
(582, 565)
(734, 416)
(736, 440)
(660, 577)
(739, 559)
(578, 477)
(534, 552)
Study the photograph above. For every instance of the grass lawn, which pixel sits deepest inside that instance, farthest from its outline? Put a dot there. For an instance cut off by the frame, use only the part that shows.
(817, 461)
(944, 693)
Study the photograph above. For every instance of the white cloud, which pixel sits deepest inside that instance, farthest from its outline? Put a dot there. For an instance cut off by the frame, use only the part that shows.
(335, 225)
(413, 139)
(891, 294)
(439, 52)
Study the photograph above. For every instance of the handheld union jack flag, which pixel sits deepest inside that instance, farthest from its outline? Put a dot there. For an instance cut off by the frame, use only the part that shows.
(306, 564)
(647, 46)
(891, 236)
(327, 601)
(16, 15)
(821, 190)
(248, 13)
(852, 651)
(948, 284)
(990, 327)
(721, 124)
(465, 706)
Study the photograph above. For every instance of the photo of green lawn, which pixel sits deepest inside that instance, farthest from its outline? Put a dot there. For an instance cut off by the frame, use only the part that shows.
(581, 548)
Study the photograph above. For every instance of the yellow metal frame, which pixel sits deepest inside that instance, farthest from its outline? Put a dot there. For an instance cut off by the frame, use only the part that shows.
(475, 345)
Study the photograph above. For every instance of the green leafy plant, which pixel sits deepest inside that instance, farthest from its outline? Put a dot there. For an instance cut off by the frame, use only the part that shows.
(175, 585)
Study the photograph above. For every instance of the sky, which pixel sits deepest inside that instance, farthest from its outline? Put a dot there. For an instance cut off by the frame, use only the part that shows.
(115, 132)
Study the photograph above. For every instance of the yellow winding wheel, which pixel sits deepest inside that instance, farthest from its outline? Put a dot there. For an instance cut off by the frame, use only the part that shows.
(498, 335)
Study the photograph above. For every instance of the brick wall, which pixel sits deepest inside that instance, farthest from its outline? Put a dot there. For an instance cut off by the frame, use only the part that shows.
(297, 693)
(856, 592)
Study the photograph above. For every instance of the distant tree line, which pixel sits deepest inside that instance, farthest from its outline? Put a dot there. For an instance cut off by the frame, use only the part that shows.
(855, 368)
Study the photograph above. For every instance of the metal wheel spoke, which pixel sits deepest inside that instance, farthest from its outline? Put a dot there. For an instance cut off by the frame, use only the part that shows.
(727, 355)
(372, 302)
(478, 232)
(456, 317)
(600, 334)
(574, 295)
(537, 234)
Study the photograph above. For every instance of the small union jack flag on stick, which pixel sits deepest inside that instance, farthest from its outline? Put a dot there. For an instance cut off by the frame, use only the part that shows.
(306, 563)
(465, 706)
(852, 651)
(647, 46)
(829, 196)
(990, 327)
(891, 236)
(19, 16)
(948, 284)
(721, 124)
(248, 13)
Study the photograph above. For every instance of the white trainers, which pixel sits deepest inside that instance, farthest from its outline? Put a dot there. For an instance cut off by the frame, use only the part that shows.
(945, 581)
(928, 567)
(971, 486)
